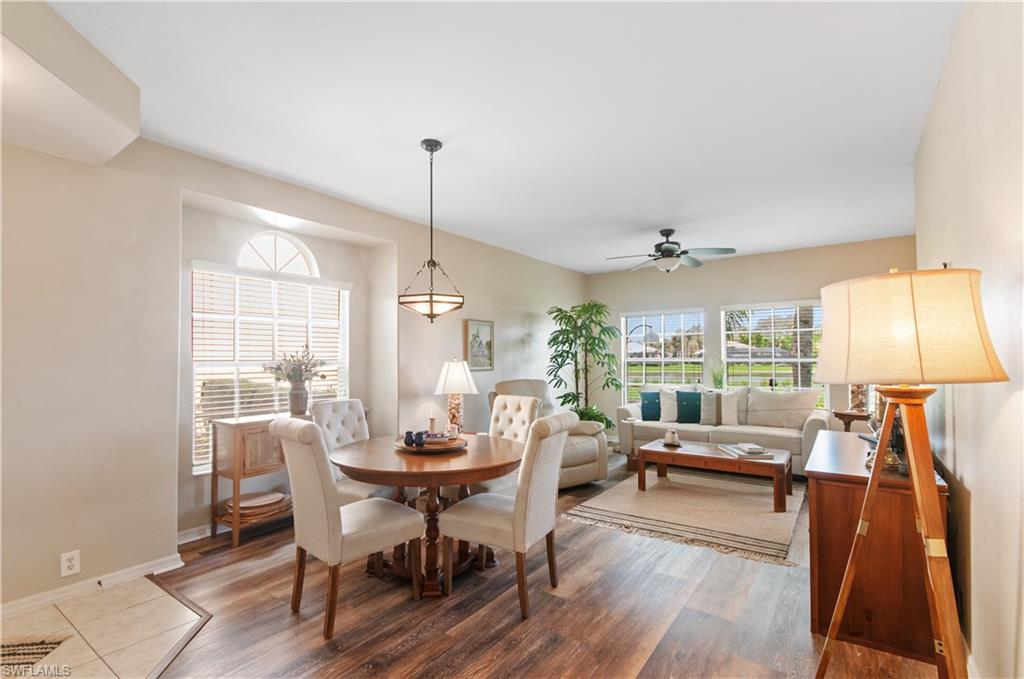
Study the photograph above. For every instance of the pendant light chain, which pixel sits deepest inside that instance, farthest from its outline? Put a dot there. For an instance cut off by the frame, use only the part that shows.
(431, 304)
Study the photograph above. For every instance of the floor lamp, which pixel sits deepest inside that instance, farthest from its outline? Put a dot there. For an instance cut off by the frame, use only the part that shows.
(908, 329)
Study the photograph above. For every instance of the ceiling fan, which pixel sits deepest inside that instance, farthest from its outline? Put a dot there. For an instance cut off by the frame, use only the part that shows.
(669, 255)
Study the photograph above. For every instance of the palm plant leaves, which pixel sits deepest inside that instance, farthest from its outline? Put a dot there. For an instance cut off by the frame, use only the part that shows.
(582, 355)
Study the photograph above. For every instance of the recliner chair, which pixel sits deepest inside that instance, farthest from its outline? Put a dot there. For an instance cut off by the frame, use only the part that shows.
(585, 458)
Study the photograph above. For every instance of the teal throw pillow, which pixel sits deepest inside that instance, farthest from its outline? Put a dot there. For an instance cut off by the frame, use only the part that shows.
(650, 406)
(688, 405)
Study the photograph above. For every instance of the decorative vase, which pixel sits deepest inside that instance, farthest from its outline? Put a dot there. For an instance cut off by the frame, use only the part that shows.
(298, 398)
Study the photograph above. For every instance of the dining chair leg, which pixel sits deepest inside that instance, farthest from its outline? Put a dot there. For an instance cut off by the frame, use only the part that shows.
(448, 569)
(416, 568)
(332, 600)
(552, 565)
(299, 579)
(481, 557)
(378, 564)
(524, 600)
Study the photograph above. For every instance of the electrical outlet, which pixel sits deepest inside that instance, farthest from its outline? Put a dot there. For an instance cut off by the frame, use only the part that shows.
(70, 563)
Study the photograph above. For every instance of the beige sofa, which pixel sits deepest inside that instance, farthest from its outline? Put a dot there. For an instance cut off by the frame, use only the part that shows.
(634, 432)
(585, 457)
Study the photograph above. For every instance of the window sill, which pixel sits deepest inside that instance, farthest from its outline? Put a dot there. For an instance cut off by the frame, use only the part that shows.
(202, 469)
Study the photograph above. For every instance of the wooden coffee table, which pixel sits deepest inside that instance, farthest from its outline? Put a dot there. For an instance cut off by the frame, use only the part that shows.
(695, 455)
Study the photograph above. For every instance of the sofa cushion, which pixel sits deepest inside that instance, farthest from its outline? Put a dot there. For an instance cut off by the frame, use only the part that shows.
(769, 437)
(719, 406)
(669, 403)
(648, 431)
(579, 450)
(650, 406)
(788, 409)
(688, 407)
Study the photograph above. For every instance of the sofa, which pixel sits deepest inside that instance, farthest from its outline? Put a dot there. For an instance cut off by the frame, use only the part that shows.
(585, 457)
(634, 431)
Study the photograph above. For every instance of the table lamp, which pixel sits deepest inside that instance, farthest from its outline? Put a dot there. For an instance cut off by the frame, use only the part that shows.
(900, 331)
(455, 380)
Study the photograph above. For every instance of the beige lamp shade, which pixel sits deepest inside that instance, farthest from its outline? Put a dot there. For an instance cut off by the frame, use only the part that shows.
(455, 379)
(916, 327)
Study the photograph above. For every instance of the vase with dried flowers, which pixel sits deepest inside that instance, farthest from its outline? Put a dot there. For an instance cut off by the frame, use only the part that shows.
(298, 368)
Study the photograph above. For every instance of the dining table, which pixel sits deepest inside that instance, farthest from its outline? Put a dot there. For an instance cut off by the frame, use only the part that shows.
(381, 461)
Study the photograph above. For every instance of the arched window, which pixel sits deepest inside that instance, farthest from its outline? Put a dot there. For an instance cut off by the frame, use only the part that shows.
(279, 253)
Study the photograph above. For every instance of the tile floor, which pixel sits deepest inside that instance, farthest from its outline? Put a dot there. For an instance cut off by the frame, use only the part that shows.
(123, 631)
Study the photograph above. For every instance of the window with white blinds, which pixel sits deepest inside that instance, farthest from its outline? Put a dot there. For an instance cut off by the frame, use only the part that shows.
(240, 323)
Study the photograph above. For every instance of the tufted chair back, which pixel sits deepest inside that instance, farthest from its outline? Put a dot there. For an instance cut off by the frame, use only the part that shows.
(528, 387)
(314, 496)
(537, 490)
(511, 417)
(343, 421)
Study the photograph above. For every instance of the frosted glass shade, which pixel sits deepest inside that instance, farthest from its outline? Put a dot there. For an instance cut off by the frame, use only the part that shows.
(915, 327)
(455, 379)
(431, 304)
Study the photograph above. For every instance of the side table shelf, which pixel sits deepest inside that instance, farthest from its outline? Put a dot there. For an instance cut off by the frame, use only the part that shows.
(242, 448)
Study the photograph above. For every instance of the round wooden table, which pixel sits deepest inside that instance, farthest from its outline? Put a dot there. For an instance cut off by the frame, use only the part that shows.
(378, 461)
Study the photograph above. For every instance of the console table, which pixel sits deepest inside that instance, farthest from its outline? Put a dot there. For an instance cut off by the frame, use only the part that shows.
(888, 608)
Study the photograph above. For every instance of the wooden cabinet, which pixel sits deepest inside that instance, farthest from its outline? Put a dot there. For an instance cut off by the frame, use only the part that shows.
(888, 608)
(242, 448)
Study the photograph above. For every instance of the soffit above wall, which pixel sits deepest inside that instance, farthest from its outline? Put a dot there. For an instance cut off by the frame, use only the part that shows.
(60, 95)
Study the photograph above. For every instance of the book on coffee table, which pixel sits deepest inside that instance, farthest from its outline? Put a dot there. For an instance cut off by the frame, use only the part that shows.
(738, 452)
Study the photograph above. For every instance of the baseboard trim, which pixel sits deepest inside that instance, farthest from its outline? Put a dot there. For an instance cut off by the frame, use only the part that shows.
(154, 567)
(198, 533)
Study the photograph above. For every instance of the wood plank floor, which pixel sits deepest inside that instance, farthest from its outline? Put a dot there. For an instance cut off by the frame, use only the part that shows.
(626, 606)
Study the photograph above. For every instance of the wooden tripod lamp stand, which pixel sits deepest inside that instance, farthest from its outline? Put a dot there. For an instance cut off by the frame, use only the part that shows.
(908, 328)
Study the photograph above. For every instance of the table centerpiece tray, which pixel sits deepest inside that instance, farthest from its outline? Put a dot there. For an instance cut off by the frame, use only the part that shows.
(432, 447)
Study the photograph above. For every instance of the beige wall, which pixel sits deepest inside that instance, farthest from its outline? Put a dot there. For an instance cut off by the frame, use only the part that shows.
(516, 303)
(968, 182)
(775, 277)
(98, 250)
(90, 369)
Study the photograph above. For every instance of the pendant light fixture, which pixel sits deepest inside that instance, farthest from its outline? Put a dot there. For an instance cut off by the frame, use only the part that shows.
(430, 303)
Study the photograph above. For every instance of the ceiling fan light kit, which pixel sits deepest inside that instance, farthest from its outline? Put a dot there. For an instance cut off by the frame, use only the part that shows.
(669, 255)
(431, 303)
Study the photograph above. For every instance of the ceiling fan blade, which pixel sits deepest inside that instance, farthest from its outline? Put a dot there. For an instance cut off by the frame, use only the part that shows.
(643, 264)
(627, 256)
(692, 262)
(712, 251)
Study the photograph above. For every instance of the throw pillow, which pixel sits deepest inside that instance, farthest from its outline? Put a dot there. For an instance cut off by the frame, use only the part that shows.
(719, 407)
(688, 407)
(788, 409)
(650, 406)
(669, 409)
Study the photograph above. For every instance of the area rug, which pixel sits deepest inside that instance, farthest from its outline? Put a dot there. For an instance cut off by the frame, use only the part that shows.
(729, 513)
(18, 656)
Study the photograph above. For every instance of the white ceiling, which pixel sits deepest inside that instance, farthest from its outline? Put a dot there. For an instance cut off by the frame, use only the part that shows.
(572, 132)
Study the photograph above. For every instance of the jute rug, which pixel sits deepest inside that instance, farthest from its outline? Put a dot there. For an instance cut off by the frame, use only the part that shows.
(728, 513)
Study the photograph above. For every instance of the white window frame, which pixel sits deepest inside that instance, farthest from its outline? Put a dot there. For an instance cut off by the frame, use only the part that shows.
(202, 466)
(624, 339)
(755, 306)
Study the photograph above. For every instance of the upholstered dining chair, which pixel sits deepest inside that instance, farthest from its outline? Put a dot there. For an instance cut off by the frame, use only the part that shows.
(511, 417)
(344, 421)
(330, 531)
(516, 523)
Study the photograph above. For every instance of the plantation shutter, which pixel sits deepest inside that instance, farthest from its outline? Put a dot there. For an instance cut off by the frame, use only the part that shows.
(240, 323)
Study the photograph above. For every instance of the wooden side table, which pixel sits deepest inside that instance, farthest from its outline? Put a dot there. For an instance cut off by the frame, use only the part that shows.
(848, 417)
(888, 608)
(242, 448)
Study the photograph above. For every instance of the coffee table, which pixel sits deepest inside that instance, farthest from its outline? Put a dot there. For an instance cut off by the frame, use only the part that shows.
(696, 455)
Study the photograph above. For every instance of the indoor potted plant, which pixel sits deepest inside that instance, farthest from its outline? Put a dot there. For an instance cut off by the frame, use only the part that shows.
(583, 347)
(297, 368)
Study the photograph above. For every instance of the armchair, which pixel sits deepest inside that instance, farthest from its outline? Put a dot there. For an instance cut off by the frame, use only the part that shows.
(585, 457)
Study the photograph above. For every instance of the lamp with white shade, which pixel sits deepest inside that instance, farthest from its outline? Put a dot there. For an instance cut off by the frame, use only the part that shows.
(455, 380)
(908, 329)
